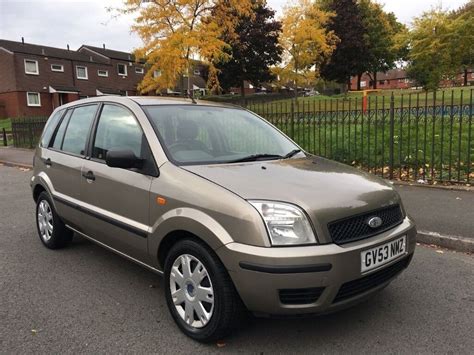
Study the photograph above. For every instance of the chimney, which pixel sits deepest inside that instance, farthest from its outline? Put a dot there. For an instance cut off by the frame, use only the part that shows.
(42, 51)
(22, 40)
(103, 45)
(68, 47)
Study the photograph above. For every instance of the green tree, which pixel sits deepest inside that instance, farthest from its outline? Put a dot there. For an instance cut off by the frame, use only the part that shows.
(430, 58)
(461, 39)
(253, 49)
(382, 47)
(349, 58)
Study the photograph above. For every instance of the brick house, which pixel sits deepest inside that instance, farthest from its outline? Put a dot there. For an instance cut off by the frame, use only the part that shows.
(35, 79)
(397, 79)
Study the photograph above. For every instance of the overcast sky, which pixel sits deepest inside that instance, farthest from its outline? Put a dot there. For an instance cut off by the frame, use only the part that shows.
(75, 22)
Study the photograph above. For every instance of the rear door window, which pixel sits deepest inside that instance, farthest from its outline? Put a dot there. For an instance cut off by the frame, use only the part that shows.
(78, 129)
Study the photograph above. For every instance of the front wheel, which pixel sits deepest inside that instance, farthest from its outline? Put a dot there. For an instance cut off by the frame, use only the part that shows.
(199, 293)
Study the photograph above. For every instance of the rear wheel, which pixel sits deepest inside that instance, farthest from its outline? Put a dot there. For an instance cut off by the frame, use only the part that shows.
(199, 293)
(51, 230)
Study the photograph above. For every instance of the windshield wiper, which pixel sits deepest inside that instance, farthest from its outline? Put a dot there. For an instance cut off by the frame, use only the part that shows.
(256, 157)
(292, 153)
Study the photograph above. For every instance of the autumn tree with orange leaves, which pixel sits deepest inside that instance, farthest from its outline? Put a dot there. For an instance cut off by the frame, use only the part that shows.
(174, 32)
(306, 41)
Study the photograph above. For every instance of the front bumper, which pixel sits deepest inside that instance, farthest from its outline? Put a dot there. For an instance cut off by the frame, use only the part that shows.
(260, 273)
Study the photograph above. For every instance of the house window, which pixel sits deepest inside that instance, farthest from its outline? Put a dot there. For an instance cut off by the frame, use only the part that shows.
(381, 82)
(156, 73)
(57, 67)
(81, 72)
(197, 72)
(31, 67)
(33, 99)
(104, 73)
(139, 70)
(122, 69)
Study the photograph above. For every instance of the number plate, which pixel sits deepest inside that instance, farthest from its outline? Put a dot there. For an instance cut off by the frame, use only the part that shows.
(383, 254)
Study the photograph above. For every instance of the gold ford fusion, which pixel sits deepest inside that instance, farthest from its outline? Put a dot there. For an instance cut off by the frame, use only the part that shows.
(232, 212)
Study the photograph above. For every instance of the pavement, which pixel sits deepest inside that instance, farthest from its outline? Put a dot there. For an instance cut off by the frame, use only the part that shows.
(85, 299)
(16, 156)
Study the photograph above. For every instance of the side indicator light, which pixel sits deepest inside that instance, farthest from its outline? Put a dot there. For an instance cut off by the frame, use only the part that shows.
(161, 201)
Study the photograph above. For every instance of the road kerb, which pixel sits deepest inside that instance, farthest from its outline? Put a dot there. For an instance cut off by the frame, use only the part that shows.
(16, 165)
(446, 241)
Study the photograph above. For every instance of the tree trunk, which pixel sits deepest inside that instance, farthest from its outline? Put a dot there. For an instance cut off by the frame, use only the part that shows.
(359, 77)
(349, 84)
(374, 80)
(465, 76)
(242, 88)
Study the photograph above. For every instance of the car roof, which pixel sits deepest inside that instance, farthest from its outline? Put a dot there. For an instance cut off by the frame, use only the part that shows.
(148, 101)
(165, 100)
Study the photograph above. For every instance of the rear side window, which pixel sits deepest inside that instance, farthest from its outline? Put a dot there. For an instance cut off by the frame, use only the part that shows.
(50, 127)
(78, 128)
(58, 138)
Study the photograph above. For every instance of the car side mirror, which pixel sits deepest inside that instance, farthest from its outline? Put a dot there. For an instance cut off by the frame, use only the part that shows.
(124, 159)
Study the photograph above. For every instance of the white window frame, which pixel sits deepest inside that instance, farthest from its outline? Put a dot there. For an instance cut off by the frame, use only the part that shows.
(37, 67)
(28, 99)
(125, 66)
(57, 70)
(139, 70)
(103, 75)
(77, 74)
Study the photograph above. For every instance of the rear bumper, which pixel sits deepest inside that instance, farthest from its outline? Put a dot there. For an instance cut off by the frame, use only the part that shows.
(260, 273)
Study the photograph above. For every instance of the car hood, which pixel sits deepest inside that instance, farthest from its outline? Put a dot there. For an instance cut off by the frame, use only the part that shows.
(325, 189)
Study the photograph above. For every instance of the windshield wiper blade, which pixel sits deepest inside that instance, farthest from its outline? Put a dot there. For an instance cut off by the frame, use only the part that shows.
(256, 157)
(292, 153)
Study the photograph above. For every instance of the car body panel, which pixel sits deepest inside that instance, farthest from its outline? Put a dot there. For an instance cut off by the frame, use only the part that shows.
(325, 190)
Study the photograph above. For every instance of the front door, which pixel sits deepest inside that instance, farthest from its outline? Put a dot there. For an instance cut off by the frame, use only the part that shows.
(117, 200)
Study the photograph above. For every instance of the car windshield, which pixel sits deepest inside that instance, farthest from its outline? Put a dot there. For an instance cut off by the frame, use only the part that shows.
(212, 135)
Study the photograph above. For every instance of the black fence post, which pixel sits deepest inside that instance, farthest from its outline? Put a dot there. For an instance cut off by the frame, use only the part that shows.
(392, 132)
(292, 127)
(5, 143)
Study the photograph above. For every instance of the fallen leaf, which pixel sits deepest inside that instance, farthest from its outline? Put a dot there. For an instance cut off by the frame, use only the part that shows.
(440, 251)
(458, 198)
(34, 331)
(220, 344)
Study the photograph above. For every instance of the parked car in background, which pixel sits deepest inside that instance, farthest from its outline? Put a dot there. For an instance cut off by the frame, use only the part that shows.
(311, 93)
(233, 214)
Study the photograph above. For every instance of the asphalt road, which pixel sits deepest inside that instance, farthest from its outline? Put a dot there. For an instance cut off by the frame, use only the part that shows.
(85, 299)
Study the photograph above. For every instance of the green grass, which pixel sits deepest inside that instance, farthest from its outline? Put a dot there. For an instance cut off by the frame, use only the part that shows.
(439, 150)
(7, 124)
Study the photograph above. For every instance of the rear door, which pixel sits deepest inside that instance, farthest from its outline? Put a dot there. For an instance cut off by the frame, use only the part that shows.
(64, 158)
(118, 199)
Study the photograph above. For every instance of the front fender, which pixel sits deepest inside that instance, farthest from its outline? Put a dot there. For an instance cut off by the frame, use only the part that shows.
(190, 220)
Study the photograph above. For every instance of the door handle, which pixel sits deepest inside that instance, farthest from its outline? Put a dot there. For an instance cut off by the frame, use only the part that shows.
(89, 175)
(47, 161)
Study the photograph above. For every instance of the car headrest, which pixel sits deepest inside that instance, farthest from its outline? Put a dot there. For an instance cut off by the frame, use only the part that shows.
(187, 130)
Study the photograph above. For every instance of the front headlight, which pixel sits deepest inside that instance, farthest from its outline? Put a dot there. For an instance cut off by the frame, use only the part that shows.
(286, 224)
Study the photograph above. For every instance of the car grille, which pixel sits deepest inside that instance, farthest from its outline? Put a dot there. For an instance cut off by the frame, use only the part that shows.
(300, 295)
(356, 287)
(355, 228)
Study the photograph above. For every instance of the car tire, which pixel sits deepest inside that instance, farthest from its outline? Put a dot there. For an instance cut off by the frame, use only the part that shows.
(213, 317)
(52, 232)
